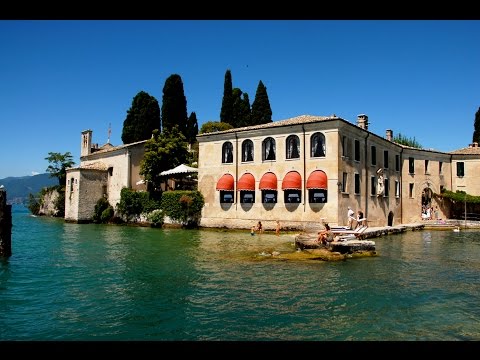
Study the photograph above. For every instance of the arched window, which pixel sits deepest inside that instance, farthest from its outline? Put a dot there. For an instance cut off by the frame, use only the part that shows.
(227, 153)
(293, 147)
(317, 145)
(247, 150)
(269, 149)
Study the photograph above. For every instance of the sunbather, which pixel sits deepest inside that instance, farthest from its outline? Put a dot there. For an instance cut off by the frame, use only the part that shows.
(325, 236)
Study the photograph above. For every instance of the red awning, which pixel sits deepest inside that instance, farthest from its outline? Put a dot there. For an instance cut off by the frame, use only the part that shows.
(292, 181)
(268, 181)
(317, 180)
(226, 182)
(246, 182)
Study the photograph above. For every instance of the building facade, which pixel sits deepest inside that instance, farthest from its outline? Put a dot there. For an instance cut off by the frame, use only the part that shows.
(300, 171)
(310, 169)
(103, 172)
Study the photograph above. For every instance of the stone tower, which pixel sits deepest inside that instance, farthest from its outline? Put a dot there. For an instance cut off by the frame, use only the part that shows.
(86, 147)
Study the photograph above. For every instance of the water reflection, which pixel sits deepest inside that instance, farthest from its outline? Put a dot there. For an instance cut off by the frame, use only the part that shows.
(83, 282)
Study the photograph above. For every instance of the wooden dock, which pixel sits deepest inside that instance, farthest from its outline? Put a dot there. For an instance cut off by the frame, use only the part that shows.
(349, 243)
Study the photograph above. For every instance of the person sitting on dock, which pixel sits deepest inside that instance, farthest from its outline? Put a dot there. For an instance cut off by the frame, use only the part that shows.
(325, 236)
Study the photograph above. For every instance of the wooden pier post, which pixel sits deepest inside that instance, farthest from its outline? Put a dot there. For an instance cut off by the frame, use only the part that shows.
(5, 225)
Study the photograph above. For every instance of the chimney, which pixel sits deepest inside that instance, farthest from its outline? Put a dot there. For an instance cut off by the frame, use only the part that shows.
(475, 144)
(389, 135)
(362, 121)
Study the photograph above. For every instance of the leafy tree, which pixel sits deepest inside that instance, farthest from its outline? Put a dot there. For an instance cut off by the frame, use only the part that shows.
(142, 118)
(192, 159)
(162, 152)
(192, 128)
(403, 140)
(174, 105)
(58, 165)
(261, 110)
(226, 113)
(241, 109)
(476, 132)
(213, 126)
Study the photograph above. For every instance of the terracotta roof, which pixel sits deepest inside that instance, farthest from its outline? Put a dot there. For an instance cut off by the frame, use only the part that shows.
(471, 150)
(302, 119)
(109, 147)
(98, 165)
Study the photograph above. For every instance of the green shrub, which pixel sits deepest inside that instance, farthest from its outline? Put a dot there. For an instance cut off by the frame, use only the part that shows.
(156, 218)
(33, 204)
(184, 206)
(133, 203)
(107, 214)
(101, 205)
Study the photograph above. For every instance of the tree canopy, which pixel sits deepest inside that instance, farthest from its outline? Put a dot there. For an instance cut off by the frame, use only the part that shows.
(163, 151)
(58, 165)
(261, 110)
(226, 113)
(403, 140)
(476, 132)
(174, 105)
(213, 126)
(142, 118)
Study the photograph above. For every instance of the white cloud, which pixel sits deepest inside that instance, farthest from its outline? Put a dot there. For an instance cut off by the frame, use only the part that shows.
(35, 173)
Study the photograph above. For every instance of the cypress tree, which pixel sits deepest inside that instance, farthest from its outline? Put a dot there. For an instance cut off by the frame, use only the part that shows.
(241, 109)
(174, 105)
(261, 110)
(226, 113)
(192, 128)
(476, 126)
(142, 118)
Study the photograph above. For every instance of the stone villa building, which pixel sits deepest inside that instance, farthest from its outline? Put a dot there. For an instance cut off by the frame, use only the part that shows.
(299, 171)
(312, 168)
(103, 172)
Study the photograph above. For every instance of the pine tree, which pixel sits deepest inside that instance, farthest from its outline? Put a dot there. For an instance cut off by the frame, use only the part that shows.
(174, 105)
(476, 126)
(261, 110)
(142, 118)
(192, 128)
(226, 113)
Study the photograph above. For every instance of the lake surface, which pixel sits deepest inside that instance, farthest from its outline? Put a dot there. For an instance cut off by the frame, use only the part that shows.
(108, 282)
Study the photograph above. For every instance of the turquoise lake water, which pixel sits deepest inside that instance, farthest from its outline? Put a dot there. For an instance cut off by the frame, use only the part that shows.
(108, 282)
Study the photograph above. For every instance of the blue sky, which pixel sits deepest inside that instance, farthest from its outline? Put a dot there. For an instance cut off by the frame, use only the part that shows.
(59, 77)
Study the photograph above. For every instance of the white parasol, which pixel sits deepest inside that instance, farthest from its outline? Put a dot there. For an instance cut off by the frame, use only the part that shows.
(180, 169)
